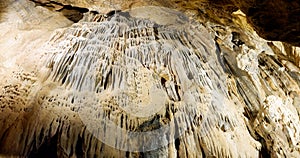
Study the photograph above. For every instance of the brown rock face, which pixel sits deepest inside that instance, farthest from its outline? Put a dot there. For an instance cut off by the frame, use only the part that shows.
(147, 79)
(277, 20)
(274, 19)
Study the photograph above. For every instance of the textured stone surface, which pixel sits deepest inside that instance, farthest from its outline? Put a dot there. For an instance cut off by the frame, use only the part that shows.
(273, 20)
(143, 82)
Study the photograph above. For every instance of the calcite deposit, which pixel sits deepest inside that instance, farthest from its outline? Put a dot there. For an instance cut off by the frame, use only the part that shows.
(145, 79)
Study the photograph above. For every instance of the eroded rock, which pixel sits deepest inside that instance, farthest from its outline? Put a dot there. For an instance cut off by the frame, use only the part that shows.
(128, 83)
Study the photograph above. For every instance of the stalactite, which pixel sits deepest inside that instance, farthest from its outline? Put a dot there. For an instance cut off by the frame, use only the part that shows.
(128, 84)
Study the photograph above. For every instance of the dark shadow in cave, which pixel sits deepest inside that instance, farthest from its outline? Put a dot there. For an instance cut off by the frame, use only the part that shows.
(47, 150)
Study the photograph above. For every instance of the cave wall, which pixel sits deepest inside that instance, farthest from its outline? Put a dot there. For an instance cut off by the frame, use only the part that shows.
(191, 79)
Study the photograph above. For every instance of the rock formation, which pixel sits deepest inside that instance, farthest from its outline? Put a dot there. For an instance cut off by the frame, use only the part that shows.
(149, 79)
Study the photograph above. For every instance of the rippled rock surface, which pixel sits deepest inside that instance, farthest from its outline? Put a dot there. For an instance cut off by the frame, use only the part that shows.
(145, 82)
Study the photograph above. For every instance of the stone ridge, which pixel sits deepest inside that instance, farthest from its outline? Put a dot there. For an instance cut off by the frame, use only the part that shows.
(139, 70)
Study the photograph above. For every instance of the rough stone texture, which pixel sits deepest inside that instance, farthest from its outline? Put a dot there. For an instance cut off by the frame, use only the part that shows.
(273, 20)
(228, 92)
